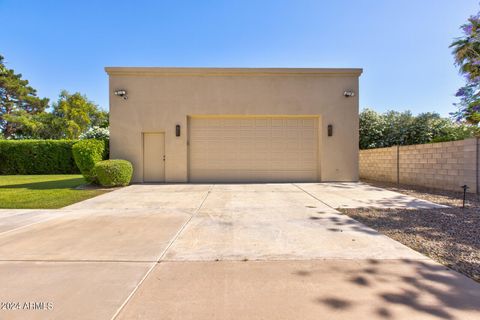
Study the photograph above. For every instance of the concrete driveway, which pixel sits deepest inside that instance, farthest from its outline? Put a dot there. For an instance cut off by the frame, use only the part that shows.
(242, 251)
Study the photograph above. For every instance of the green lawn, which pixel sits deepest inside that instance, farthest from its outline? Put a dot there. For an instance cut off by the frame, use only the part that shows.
(42, 191)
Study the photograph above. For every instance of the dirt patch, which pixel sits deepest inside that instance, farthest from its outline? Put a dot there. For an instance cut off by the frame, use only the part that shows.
(450, 236)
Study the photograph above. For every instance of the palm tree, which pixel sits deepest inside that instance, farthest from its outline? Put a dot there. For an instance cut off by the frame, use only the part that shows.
(466, 51)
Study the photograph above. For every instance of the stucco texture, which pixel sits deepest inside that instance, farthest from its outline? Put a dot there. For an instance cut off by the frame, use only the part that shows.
(161, 98)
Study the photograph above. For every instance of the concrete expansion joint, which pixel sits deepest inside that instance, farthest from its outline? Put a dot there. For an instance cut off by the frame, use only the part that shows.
(163, 253)
(29, 225)
(273, 260)
(313, 196)
(77, 261)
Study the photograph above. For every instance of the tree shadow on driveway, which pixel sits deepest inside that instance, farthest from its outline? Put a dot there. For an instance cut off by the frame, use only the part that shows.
(395, 288)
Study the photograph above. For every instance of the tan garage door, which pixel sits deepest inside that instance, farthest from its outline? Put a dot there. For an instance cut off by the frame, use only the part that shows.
(249, 149)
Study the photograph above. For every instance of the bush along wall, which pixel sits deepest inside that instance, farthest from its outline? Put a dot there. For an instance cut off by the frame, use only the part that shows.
(88, 152)
(114, 173)
(37, 157)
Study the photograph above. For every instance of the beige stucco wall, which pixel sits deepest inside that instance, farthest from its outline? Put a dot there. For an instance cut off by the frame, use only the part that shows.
(160, 98)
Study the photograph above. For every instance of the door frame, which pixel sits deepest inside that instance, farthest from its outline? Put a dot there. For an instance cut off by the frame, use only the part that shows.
(143, 154)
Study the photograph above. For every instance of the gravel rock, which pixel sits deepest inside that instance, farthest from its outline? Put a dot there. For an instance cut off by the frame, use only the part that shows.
(451, 236)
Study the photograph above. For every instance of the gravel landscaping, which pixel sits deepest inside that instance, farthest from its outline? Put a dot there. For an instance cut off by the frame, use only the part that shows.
(450, 236)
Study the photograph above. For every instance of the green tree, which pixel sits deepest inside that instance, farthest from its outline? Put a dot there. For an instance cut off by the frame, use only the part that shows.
(397, 128)
(466, 51)
(71, 116)
(16, 96)
(391, 128)
(456, 131)
(99, 119)
(371, 129)
(43, 125)
(76, 112)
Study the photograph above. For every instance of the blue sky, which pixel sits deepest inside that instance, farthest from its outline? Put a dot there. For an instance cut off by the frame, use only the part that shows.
(402, 45)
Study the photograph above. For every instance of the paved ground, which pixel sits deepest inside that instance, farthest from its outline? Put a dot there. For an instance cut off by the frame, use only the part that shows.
(261, 251)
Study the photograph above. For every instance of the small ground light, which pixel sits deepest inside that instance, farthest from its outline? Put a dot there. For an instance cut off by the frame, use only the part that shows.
(464, 187)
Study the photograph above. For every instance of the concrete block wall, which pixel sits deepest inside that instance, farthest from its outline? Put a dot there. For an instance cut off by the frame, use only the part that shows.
(471, 164)
(445, 165)
(378, 164)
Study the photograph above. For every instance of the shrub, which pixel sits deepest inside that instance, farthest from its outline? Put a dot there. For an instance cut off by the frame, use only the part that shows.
(86, 153)
(112, 173)
(379, 130)
(37, 157)
(98, 133)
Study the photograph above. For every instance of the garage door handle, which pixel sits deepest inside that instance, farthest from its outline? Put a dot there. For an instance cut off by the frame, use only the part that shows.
(163, 157)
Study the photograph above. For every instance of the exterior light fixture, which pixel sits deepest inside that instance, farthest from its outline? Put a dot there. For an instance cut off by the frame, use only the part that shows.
(349, 93)
(330, 130)
(121, 93)
(177, 130)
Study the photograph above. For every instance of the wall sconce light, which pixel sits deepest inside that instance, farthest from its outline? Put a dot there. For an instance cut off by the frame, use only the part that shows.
(177, 130)
(349, 94)
(330, 130)
(121, 93)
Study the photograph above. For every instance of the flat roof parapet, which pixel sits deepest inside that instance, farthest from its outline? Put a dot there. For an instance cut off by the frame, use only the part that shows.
(163, 71)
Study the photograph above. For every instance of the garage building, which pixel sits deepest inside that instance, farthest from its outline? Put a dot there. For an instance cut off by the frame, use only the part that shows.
(235, 124)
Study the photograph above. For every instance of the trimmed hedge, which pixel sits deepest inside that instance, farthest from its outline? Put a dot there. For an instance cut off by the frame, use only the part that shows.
(37, 157)
(112, 173)
(88, 152)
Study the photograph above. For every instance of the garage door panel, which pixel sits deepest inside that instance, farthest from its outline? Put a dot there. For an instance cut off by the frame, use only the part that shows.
(253, 149)
(278, 134)
(280, 122)
(309, 122)
(253, 176)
